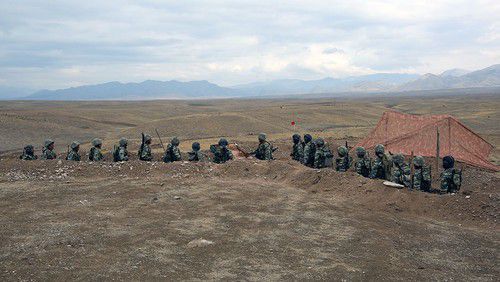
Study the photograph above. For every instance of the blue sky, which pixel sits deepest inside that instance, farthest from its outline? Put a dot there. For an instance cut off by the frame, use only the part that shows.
(58, 44)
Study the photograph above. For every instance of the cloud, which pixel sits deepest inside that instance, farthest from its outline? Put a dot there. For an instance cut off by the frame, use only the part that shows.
(66, 43)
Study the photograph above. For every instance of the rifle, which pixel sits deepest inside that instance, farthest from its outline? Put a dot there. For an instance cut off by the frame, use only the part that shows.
(142, 144)
(245, 153)
(161, 142)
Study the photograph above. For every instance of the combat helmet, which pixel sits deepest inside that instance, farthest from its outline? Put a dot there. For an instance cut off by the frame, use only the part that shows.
(96, 142)
(123, 142)
(48, 142)
(196, 146)
(74, 145)
(319, 142)
(262, 137)
(296, 138)
(360, 151)
(175, 141)
(398, 159)
(342, 150)
(223, 142)
(418, 161)
(147, 137)
(448, 162)
(307, 138)
(379, 149)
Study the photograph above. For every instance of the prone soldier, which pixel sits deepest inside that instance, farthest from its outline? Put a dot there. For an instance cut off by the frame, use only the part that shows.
(145, 153)
(196, 155)
(401, 173)
(264, 151)
(309, 151)
(221, 152)
(381, 167)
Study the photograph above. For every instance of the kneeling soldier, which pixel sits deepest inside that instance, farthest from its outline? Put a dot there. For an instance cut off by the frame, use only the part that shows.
(195, 155)
(28, 153)
(172, 153)
(145, 149)
(451, 178)
(362, 164)
(120, 153)
(221, 152)
(48, 150)
(421, 175)
(73, 154)
(323, 156)
(264, 151)
(297, 149)
(343, 162)
(95, 154)
(401, 173)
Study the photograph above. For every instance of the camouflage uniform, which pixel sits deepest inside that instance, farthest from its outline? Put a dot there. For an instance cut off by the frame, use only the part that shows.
(145, 153)
(297, 149)
(264, 151)
(451, 178)
(28, 153)
(172, 153)
(195, 155)
(309, 151)
(401, 173)
(120, 153)
(343, 162)
(322, 156)
(95, 154)
(421, 175)
(221, 153)
(362, 164)
(381, 167)
(73, 154)
(48, 150)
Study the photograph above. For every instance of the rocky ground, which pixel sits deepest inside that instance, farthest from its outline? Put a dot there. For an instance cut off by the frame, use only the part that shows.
(246, 219)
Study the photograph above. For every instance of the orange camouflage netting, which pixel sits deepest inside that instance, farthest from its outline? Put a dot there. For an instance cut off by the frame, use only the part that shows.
(404, 133)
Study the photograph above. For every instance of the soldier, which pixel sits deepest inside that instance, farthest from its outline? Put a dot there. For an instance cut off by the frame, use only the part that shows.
(362, 164)
(196, 155)
(145, 149)
(120, 153)
(381, 167)
(221, 152)
(48, 150)
(95, 154)
(264, 151)
(73, 154)
(322, 156)
(297, 149)
(343, 162)
(28, 153)
(451, 178)
(309, 151)
(172, 153)
(401, 172)
(421, 175)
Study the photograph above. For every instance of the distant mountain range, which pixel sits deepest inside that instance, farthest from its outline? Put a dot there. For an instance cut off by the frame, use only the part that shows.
(380, 82)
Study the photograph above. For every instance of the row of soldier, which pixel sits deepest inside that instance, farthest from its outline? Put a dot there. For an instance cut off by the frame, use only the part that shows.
(316, 154)
(312, 153)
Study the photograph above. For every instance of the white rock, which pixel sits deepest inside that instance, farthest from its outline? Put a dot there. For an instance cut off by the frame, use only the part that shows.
(199, 243)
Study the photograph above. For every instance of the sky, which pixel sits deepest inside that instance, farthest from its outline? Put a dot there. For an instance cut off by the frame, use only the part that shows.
(58, 44)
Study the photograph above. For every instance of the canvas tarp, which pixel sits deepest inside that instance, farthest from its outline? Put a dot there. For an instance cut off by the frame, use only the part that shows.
(404, 133)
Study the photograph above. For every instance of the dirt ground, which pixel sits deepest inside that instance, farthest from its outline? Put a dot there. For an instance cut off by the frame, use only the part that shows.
(262, 220)
(267, 220)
